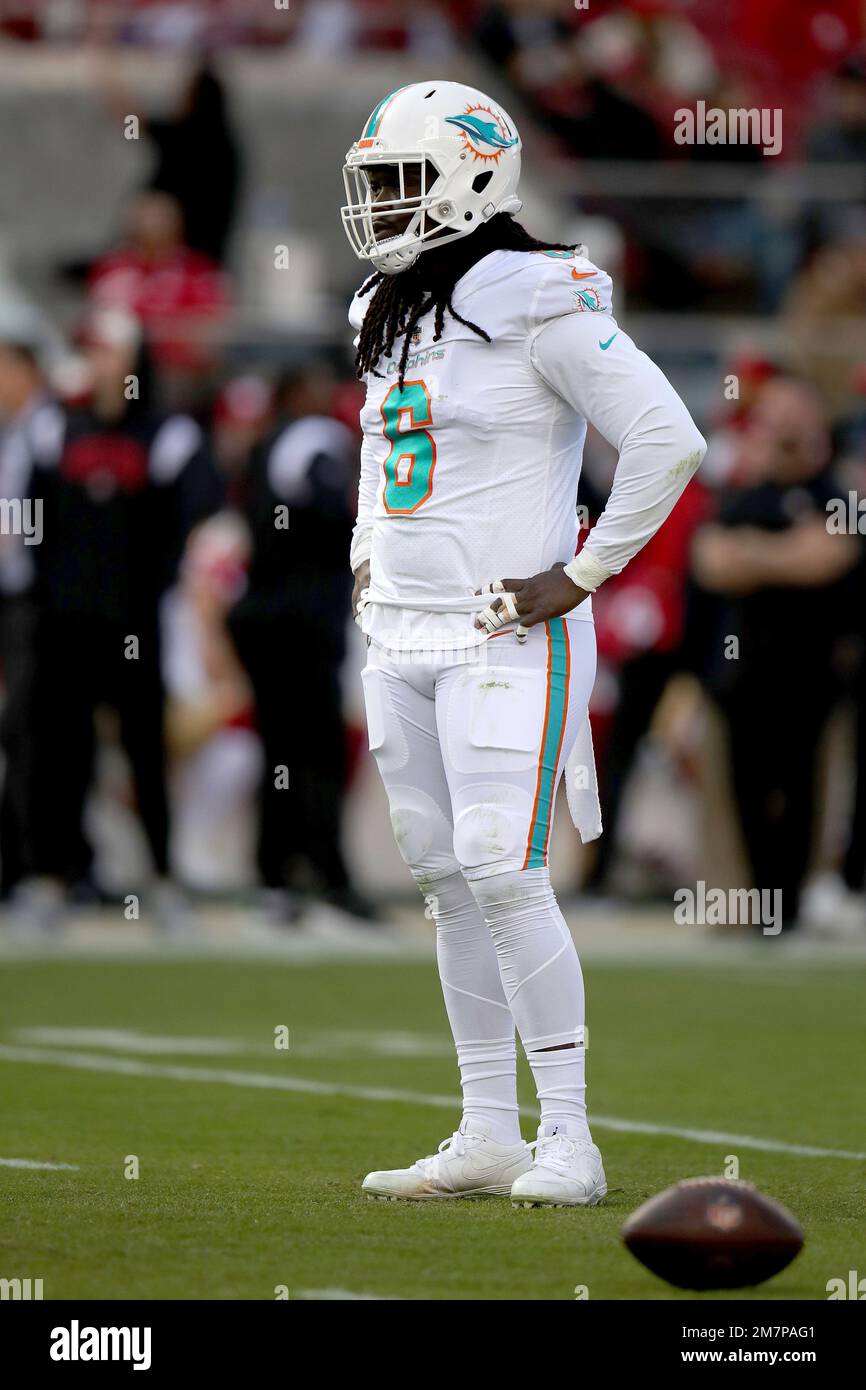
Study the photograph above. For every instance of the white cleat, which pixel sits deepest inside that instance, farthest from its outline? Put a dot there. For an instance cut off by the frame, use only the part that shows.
(468, 1164)
(567, 1171)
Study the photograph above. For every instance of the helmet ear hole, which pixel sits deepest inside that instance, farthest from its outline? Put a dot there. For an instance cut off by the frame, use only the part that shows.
(480, 182)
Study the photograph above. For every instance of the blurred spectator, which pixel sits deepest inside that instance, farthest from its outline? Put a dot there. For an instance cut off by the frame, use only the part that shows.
(432, 36)
(838, 136)
(215, 752)
(171, 24)
(24, 406)
(540, 52)
(727, 242)
(179, 295)
(824, 324)
(199, 163)
(640, 619)
(110, 476)
(787, 43)
(652, 49)
(332, 29)
(853, 864)
(748, 372)
(329, 29)
(786, 585)
(18, 21)
(841, 137)
(289, 628)
(242, 415)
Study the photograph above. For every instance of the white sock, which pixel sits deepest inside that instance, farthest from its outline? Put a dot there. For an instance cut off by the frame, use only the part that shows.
(479, 1015)
(543, 984)
(561, 1085)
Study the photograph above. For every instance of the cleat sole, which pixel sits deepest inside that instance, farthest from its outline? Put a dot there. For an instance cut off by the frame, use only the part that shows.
(503, 1190)
(441, 1196)
(527, 1202)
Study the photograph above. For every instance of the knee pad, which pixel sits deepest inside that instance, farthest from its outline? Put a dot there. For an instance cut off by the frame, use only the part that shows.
(448, 902)
(514, 895)
(423, 833)
(490, 831)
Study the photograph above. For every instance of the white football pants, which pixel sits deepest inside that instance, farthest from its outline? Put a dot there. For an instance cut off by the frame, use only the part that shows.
(471, 754)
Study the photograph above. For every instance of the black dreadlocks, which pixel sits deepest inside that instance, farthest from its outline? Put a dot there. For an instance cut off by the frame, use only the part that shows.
(401, 300)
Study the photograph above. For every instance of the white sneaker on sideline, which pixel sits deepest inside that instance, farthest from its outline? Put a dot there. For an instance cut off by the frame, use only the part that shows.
(470, 1163)
(171, 909)
(567, 1171)
(830, 907)
(38, 908)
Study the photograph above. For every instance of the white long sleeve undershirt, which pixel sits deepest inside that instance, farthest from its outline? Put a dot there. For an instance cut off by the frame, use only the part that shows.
(633, 405)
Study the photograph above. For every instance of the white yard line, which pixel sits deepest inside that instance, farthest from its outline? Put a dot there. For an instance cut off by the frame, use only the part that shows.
(303, 1042)
(344, 1296)
(31, 1163)
(130, 1040)
(130, 1066)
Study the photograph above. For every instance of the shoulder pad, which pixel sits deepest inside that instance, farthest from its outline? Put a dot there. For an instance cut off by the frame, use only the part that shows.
(510, 293)
(567, 282)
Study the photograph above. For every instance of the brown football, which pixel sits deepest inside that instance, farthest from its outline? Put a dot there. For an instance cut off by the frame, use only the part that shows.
(713, 1233)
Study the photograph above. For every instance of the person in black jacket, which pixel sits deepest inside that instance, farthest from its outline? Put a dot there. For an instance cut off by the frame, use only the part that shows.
(199, 163)
(787, 582)
(289, 628)
(24, 404)
(115, 484)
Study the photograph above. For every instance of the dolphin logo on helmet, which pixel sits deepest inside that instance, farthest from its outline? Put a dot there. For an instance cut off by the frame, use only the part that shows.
(481, 132)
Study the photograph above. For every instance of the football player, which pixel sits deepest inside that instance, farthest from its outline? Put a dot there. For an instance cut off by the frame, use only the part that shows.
(485, 353)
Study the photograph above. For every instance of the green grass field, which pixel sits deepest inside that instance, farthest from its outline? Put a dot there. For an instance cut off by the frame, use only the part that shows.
(250, 1158)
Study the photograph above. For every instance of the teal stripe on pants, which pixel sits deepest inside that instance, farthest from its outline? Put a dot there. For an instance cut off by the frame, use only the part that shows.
(552, 736)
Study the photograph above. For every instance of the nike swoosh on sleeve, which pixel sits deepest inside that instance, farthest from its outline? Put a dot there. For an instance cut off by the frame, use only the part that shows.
(604, 346)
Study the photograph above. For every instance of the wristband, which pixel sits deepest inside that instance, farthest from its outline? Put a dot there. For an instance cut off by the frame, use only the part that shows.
(587, 572)
(362, 544)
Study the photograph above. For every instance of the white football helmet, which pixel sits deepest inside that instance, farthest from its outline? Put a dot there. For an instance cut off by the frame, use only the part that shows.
(451, 153)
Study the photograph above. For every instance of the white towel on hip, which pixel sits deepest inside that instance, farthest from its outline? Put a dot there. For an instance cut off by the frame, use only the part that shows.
(581, 785)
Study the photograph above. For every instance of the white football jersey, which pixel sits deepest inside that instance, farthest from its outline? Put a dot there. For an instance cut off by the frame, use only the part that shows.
(470, 472)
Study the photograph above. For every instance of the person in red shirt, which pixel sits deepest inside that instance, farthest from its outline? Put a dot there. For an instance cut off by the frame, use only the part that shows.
(180, 296)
